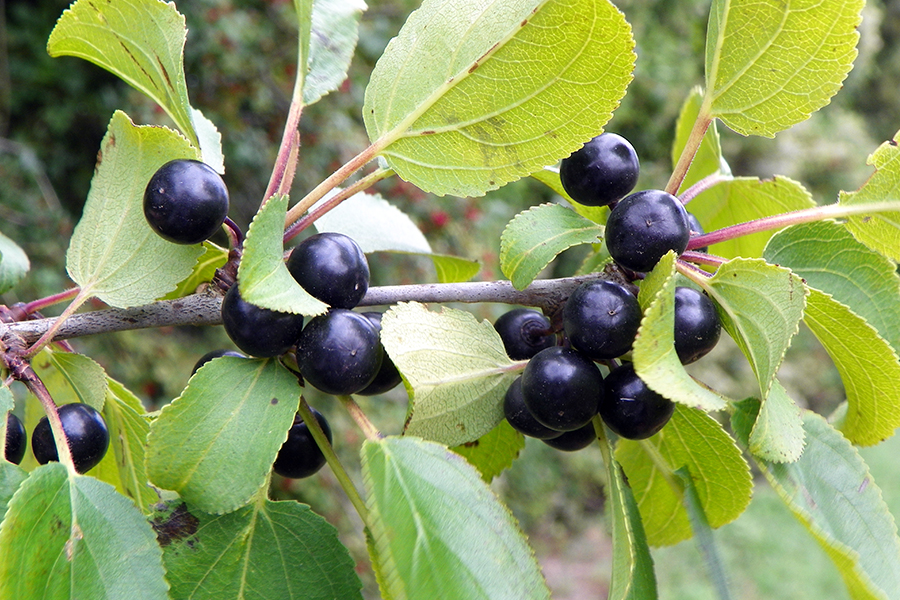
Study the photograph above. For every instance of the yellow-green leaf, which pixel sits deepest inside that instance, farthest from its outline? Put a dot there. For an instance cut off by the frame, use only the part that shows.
(510, 87)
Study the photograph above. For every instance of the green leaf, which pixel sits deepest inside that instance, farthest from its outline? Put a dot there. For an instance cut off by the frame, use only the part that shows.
(830, 491)
(761, 306)
(653, 352)
(549, 176)
(11, 477)
(708, 160)
(829, 259)
(121, 260)
(772, 63)
(455, 369)
(778, 435)
(744, 199)
(13, 264)
(124, 463)
(511, 86)
(632, 575)
(7, 401)
(879, 231)
(332, 41)
(68, 536)
(262, 551)
(868, 366)
(453, 269)
(212, 258)
(71, 377)
(494, 452)
(140, 41)
(209, 140)
(264, 278)
(536, 236)
(694, 440)
(215, 444)
(438, 531)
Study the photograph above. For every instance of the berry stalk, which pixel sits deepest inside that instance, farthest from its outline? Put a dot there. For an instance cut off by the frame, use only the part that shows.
(806, 215)
(331, 458)
(690, 151)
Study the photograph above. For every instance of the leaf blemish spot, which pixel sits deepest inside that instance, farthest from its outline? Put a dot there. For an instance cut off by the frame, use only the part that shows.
(274, 401)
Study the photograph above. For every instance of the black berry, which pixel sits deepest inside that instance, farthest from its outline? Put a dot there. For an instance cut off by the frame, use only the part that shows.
(185, 201)
(601, 172)
(572, 441)
(85, 431)
(644, 226)
(388, 376)
(697, 324)
(601, 319)
(520, 418)
(562, 388)
(630, 408)
(300, 456)
(14, 449)
(524, 332)
(214, 354)
(696, 229)
(332, 268)
(258, 331)
(339, 352)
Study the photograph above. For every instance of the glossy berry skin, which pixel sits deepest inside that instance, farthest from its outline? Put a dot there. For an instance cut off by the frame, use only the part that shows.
(697, 229)
(572, 441)
(520, 418)
(185, 201)
(697, 325)
(388, 377)
(16, 439)
(601, 319)
(339, 352)
(332, 268)
(562, 388)
(85, 431)
(601, 172)
(644, 226)
(214, 354)
(630, 408)
(524, 332)
(300, 456)
(258, 331)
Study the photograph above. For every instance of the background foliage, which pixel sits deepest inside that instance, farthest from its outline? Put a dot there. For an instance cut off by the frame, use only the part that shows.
(239, 66)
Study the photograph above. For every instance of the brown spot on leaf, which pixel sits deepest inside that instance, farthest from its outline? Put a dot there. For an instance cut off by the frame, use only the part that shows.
(177, 525)
(273, 401)
(473, 444)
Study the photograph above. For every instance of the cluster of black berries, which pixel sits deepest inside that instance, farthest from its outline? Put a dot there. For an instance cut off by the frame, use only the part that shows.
(561, 388)
(85, 431)
(339, 352)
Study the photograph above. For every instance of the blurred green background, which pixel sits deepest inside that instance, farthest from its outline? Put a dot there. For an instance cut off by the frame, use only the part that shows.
(239, 64)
